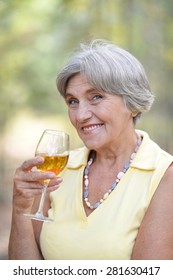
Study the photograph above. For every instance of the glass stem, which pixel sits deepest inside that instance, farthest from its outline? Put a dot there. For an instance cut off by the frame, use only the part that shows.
(42, 200)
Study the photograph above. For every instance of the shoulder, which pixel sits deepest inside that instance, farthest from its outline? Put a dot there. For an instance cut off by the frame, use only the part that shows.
(164, 192)
(169, 172)
(165, 188)
(166, 183)
(155, 239)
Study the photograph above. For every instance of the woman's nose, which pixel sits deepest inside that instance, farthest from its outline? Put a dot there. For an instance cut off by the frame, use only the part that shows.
(84, 113)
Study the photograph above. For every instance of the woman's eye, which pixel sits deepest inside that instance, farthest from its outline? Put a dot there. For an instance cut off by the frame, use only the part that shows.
(71, 101)
(97, 97)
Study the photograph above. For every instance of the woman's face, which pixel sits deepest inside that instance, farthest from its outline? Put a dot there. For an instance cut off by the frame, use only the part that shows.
(101, 119)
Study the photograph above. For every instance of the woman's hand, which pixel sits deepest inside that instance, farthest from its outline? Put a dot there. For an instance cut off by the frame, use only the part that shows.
(28, 183)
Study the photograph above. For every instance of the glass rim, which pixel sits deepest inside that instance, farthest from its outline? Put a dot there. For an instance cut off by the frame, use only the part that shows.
(55, 132)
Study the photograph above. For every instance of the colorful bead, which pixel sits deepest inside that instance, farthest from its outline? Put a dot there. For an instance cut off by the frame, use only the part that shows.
(88, 203)
(105, 195)
(133, 155)
(96, 205)
(86, 193)
(113, 186)
(86, 171)
(120, 175)
(86, 182)
(126, 165)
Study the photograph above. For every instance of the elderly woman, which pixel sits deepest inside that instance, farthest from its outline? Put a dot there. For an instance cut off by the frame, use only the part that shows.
(114, 200)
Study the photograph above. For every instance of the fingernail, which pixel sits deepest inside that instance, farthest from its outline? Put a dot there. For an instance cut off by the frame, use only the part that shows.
(56, 186)
(59, 180)
(51, 175)
(39, 160)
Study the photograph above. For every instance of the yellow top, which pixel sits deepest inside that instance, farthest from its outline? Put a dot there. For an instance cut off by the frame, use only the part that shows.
(109, 232)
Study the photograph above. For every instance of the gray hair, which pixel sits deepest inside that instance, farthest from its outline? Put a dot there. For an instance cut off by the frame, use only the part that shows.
(113, 70)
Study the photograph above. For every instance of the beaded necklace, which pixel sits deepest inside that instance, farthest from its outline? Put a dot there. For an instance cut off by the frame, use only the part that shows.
(119, 176)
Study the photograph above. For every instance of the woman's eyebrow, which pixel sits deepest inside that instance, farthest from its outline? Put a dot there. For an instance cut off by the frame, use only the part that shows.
(90, 90)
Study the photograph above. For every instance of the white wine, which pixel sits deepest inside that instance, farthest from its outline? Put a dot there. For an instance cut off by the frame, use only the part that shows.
(55, 163)
(53, 147)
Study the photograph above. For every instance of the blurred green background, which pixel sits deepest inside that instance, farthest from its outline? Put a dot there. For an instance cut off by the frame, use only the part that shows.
(36, 38)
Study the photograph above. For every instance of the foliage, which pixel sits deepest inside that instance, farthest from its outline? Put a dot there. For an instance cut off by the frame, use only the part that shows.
(37, 36)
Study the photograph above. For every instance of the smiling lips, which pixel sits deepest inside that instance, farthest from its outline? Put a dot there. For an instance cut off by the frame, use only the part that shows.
(91, 127)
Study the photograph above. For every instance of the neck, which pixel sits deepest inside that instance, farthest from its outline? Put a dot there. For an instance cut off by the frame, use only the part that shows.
(119, 151)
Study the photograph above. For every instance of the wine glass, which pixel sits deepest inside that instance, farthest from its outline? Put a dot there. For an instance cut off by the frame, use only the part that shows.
(53, 146)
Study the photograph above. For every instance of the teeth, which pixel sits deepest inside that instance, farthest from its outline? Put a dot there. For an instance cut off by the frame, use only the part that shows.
(91, 127)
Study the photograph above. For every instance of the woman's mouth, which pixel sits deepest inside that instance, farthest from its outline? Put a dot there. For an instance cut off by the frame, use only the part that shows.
(93, 127)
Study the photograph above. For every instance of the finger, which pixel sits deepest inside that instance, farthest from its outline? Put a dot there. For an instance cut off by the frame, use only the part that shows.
(53, 188)
(30, 163)
(56, 181)
(23, 186)
(34, 176)
(28, 193)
